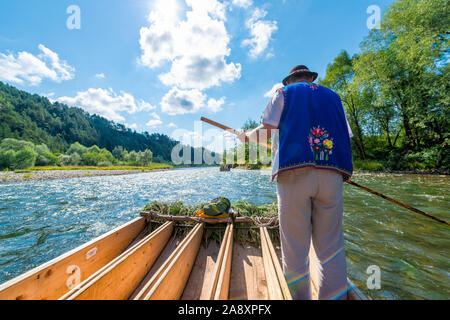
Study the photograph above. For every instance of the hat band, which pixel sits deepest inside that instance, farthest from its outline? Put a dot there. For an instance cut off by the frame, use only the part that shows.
(301, 70)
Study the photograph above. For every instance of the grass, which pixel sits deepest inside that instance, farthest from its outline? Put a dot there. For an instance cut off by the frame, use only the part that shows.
(242, 236)
(27, 176)
(369, 165)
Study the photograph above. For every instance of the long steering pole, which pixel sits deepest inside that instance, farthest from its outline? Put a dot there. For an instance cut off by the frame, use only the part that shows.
(406, 206)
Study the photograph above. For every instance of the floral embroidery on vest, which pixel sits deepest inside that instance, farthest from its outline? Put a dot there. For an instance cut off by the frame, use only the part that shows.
(321, 143)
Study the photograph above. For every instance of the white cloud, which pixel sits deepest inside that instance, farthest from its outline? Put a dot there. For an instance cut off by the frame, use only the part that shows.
(196, 47)
(156, 121)
(215, 105)
(132, 126)
(178, 101)
(261, 32)
(26, 68)
(189, 72)
(107, 103)
(272, 91)
(100, 75)
(172, 125)
(243, 3)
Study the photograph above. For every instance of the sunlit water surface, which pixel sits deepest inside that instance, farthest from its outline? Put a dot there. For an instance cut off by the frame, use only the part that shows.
(42, 219)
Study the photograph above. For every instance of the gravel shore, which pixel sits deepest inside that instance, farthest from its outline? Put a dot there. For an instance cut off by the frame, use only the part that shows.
(11, 176)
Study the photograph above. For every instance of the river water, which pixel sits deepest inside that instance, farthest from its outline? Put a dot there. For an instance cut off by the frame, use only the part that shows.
(40, 220)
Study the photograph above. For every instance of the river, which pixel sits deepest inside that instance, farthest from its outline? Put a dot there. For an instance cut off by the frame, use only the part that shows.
(40, 220)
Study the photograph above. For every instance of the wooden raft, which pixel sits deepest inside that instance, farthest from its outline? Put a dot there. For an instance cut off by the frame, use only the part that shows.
(130, 262)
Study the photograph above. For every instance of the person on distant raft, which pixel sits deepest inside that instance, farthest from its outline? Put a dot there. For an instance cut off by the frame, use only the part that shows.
(311, 162)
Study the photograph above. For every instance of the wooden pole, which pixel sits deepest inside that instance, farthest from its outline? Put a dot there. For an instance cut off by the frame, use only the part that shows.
(397, 202)
(348, 181)
(221, 126)
(151, 215)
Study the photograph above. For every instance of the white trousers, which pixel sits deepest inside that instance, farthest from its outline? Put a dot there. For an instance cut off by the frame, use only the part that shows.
(310, 207)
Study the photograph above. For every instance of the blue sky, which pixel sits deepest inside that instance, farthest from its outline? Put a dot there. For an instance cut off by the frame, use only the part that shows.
(158, 66)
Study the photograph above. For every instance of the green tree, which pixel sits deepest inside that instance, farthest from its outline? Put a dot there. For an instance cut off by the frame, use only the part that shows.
(7, 159)
(77, 148)
(340, 78)
(144, 158)
(25, 158)
(64, 160)
(404, 62)
(250, 125)
(14, 144)
(118, 153)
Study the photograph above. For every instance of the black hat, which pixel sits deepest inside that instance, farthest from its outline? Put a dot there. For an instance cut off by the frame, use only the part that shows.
(300, 69)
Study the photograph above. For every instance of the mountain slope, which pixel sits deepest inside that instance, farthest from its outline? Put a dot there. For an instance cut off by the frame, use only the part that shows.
(34, 118)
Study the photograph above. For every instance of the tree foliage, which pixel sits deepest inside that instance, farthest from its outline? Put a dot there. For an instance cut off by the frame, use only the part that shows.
(396, 90)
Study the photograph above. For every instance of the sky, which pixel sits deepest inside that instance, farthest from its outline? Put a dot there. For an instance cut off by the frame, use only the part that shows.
(159, 65)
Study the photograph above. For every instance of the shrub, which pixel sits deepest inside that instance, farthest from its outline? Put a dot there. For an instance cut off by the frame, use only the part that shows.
(131, 156)
(41, 149)
(90, 158)
(14, 144)
(64, 160)
(94, 149)
(75, 159)
(104, 164)
(41, 160)
(76, 148)
(118, 152)
(52, 159)
(7, 159)
(25, 158)
(158, 159)
(144, 158)
(370, 165)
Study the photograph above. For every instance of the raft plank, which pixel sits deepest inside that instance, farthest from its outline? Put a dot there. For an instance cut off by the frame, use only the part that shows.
(168, 250)
(223, 281)
(273, 285)
(278, 270)
(248, 279)
(218, 266)
(172, 282)
(199, 284)
(148, 285)
(118, 279)
(52, 279)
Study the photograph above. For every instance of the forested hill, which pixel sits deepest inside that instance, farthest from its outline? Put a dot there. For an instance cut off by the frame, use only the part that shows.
(34, 118)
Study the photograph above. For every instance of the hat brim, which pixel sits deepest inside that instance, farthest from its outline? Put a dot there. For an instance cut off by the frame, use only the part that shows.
(313, 74)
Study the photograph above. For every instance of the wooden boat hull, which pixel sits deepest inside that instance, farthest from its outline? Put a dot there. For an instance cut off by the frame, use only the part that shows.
(132, 262)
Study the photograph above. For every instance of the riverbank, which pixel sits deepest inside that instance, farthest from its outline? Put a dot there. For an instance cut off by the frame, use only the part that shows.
(46, 173)
(364, 171)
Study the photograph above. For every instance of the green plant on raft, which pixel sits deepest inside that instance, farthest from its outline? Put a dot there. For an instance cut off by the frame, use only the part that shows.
(245, 233)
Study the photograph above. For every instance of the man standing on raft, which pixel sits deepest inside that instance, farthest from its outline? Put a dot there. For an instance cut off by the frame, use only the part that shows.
(312, 160)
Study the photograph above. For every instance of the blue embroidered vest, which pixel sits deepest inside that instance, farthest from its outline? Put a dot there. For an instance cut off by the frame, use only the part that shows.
(313, 130)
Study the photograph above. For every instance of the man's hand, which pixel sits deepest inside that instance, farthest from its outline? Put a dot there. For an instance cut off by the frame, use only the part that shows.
(243, 136)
